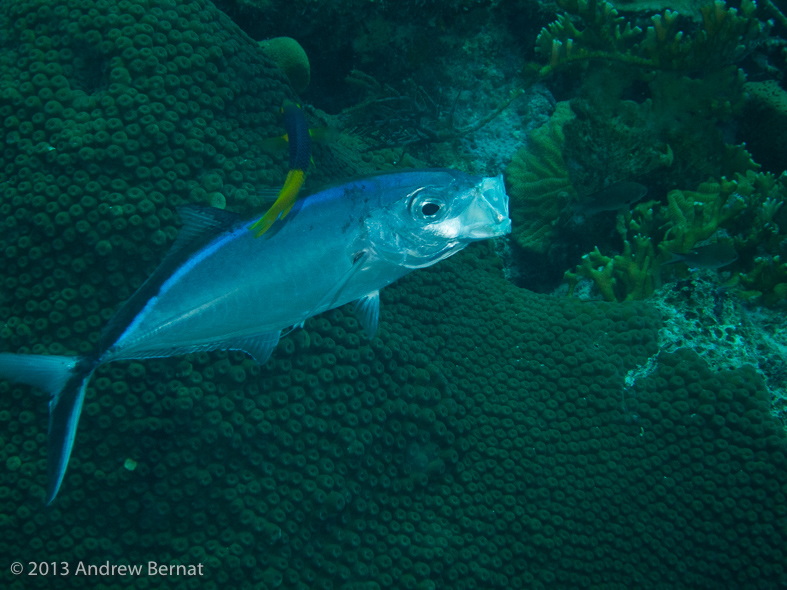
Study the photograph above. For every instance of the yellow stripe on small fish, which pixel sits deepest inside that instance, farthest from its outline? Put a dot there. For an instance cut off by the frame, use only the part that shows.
(299, 139)
(284, 202)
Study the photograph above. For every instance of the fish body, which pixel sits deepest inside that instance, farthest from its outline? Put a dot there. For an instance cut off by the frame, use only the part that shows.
(220, 288)
(298, 138)
(615, 196)
(710, 256)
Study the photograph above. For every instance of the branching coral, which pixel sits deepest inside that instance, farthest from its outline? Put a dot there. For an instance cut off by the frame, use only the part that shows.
(605, 36)
(694, 216)
(726, 37)
(629, 276)
(746, 210)
(690, 80)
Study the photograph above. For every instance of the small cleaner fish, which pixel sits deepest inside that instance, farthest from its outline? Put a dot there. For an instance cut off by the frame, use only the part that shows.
(299, 139)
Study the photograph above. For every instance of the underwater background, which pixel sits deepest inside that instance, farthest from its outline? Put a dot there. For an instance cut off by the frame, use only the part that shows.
(569, 407)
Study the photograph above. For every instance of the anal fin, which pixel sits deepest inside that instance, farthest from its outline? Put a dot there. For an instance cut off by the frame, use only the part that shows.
(258, 346)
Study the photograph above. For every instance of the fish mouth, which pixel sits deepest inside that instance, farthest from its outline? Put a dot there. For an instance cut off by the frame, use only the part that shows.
(487, 214)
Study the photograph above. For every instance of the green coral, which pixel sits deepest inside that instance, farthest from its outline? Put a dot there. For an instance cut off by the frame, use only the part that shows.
(687, 83)
(614, 140)
(725, 37)
(291, 58)
(694, 216)
(629, 276)
(745, 209)
(111, 121)
(670, 138)
(760, 238)
(538, 183)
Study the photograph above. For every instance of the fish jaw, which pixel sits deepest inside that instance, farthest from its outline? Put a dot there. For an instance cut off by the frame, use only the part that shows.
(487, 214)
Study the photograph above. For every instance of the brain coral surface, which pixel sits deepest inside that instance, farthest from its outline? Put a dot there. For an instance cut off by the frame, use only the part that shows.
(113, 114)
(486, 438)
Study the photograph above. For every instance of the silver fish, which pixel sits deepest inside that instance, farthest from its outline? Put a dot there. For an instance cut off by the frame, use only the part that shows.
(711, 256)
(220, 288)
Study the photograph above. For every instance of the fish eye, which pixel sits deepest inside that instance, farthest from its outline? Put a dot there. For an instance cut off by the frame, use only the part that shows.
(429, 209)
(426, 205)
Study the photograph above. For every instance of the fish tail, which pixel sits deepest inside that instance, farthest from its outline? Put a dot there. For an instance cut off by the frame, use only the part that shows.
(265, 222)
(65, 379)
(284, 202)
(292, 185)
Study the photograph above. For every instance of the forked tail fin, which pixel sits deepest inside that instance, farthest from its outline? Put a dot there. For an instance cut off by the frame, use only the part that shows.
(65, 379)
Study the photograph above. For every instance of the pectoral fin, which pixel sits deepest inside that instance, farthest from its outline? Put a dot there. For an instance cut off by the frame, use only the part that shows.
(330, 298)
(367, 310)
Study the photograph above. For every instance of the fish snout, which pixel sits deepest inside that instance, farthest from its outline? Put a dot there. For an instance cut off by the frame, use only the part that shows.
(487, 214)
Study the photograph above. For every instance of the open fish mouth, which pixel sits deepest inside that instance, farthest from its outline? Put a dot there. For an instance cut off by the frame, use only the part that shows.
(487, 215)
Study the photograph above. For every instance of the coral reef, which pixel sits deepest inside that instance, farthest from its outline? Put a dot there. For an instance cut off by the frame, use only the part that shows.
(487, 438)
(725, 37)
(694, 216)
(538, 183)
(666, 90)
(652, 105)
(745, 210)
(681, 104)
(629, 276)
(113, 115)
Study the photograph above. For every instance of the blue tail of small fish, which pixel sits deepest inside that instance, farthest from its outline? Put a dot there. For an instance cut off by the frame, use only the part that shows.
(65, 379)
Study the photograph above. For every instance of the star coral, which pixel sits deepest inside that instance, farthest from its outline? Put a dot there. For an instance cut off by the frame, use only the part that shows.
(486, 438)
